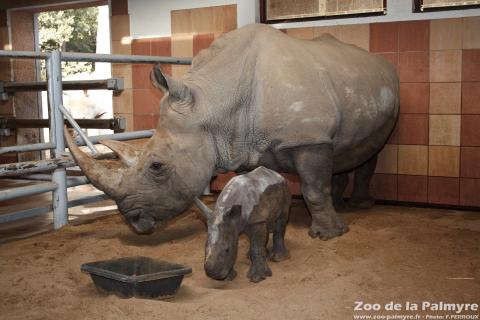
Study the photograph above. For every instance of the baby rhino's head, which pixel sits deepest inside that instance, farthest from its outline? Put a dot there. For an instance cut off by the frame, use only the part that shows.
(222, 242)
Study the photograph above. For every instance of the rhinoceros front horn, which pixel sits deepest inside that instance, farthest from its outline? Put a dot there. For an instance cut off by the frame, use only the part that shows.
(105, 174)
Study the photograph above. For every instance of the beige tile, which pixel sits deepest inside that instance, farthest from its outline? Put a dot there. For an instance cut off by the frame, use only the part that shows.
(356, 34)
(124, 102)
(333, 30)
(444, 130)
(444, 161)
(471, 33)
(6, 107)
(4, 37)
(119, 48)
(412, 159)
(446, 66)
(445, 97)
(387, 159)
(123, 71)
(120, 27)
(182, 46)
(128, 118)
(301, 33)
(446, 34)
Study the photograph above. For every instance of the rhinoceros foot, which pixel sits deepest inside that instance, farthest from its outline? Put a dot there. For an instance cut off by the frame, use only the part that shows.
(278, 255)
(259, 272)
(362, 203)
(328, 232)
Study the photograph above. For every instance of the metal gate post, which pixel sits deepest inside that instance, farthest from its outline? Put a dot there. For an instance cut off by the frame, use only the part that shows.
(59, 176)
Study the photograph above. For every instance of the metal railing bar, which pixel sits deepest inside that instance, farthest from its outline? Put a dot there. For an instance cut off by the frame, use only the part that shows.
(107, 84)
(118, 58)
(27, 147)
(75, 125)
(18, 192)
(23, 54)
(23, 214)
(130, 135)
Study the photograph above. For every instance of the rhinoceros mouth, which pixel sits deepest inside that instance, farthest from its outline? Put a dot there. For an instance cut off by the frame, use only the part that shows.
(141, 222)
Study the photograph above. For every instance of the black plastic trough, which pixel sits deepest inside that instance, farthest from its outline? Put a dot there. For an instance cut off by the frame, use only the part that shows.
(140, 277)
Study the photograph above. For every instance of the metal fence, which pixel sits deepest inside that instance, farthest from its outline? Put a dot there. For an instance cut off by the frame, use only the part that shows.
(58, 182)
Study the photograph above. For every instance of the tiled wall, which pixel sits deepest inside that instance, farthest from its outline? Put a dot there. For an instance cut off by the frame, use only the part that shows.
(433, 155)
(6, 107)
(192, 30)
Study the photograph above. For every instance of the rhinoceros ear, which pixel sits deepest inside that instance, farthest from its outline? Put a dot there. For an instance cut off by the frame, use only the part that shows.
(126, 152)
(175, 88)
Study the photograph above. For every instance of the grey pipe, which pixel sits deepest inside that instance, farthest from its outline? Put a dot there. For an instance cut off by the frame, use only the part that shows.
(131, 135)
(118, 58)
(27, 147)
(27, 191)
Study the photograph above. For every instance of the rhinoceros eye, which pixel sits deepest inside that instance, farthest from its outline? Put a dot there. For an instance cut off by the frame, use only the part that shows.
(156, 166)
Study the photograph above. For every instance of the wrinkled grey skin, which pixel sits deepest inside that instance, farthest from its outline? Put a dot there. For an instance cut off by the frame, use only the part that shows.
(257, 97)
(256, 204)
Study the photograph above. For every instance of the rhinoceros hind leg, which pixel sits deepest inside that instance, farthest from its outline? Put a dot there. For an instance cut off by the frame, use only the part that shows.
(361, 198)
(314, 165)
(339, 183)
(279, 250)
(258, 235)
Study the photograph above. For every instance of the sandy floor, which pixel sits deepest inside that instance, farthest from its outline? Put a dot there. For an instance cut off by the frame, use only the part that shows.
(390, 254)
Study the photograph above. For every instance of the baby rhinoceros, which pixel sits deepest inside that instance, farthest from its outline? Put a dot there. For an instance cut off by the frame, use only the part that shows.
(256, 204)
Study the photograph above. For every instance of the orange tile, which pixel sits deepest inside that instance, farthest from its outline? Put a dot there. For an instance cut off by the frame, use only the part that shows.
(413, 35)
(413, 66)
(470, 130)
(202, 41)
(391, 57)
(444, 161)
(471, 36)
(469, 162)
(445, 98)
(161, 46)
(446, 66)
(412, 188)
(384, 37)
(470, 97)
(141, 47)
(412, 159)
(444, 130)
(387, 159)
(301, 33)
(393, 138)
(414, 97)
(469, 195)
(413, 129)
(471, 65)
(384, 186)
(141, 76)
(143, 122)
(442, 190)
(446, 34)
(221, 180)
(294, 183)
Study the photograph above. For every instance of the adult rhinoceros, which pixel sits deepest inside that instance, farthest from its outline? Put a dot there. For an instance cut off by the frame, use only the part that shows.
(257, 97)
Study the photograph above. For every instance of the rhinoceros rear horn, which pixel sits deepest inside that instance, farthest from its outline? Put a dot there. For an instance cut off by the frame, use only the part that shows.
(105, 175)
(175, 88)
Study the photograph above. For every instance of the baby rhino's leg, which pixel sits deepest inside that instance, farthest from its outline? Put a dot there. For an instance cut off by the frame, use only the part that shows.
(279, 251)
(259, 270)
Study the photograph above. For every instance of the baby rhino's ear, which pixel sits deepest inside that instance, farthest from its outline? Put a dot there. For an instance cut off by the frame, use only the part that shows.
(234, 212)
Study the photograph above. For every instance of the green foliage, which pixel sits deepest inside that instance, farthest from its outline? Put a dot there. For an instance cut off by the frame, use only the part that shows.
(73, 30)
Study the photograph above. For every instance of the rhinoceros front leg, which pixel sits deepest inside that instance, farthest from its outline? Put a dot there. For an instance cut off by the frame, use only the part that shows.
(314, 165)
(258, 236)
(361, 197)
